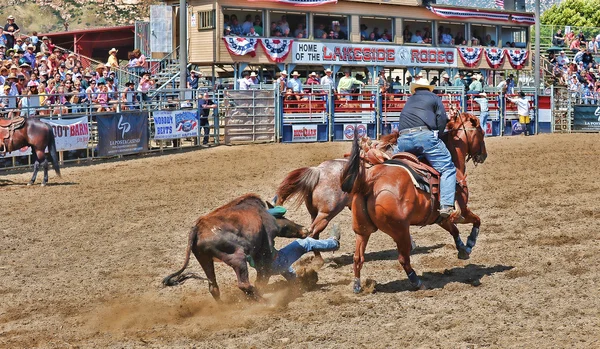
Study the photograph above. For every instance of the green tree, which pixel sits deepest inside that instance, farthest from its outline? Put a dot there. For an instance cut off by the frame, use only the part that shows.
(578, 13)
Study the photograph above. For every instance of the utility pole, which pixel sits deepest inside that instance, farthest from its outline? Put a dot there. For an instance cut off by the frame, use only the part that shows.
(537, 65)
(183, 58)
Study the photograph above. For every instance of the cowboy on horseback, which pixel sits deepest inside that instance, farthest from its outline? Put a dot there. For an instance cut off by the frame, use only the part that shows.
(421, 121)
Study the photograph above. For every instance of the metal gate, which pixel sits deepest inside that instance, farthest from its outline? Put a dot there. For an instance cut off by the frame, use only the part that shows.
(249, 116)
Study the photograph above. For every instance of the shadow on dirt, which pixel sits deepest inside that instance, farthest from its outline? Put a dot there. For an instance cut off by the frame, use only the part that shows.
(387, 255)
(470, 274)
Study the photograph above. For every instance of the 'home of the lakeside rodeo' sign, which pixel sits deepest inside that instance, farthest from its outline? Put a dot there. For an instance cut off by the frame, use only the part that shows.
(331, 53)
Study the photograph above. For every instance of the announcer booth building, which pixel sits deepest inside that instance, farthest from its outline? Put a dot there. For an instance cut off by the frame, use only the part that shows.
(502, 36)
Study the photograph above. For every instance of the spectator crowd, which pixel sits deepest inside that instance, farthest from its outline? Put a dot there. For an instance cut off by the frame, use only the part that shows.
(39, 78)
(580, 71)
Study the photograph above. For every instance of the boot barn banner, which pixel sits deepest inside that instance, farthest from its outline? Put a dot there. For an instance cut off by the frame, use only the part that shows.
(70, 134)
(326, 53)
(124, 133)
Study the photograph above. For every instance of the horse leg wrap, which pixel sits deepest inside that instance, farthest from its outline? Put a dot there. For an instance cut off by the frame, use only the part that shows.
(459, 244)
(356, 287)
(414, 279)
(472, 239)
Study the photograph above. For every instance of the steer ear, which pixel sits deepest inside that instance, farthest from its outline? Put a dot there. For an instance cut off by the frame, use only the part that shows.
(269, 205)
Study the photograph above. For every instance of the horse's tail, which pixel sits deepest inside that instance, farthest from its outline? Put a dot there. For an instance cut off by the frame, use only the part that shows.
(168, 281)
(353, 176)
(298, 185)
(52, 150)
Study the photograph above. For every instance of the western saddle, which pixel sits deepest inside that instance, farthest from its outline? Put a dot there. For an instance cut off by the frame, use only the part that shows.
(7, 129)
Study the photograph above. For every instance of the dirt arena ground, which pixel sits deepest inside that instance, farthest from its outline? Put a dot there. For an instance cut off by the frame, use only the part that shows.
(81, 261)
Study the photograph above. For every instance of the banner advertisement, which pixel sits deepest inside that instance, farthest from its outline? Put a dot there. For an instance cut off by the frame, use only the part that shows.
(304, 133)
(349, 131)
(173, 124)
(19, 152)
(70, 134)
(586, 118)
(123, 133)
(326, 53)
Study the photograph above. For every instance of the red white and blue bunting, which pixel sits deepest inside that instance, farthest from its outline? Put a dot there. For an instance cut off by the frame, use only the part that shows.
(468, 14)
(529, 19)
(239, 45)
(276, 49)
(517, 58)
(470, 55)
(303, 2)
(494, 57)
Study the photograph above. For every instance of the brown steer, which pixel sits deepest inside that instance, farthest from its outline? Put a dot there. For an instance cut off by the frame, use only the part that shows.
(233, 233)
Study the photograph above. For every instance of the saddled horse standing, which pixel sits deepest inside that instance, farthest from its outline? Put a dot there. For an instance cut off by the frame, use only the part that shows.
(320, 189)
(385, 197)
(19, 132)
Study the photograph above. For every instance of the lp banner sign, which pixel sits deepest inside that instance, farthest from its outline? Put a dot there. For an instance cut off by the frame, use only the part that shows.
(70, 134)
(326, 53)
(123, 133)
(304, 133)
(173, 124)
(586, 118)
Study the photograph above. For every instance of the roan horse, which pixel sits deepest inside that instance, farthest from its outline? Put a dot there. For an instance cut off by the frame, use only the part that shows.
(385, 198)
(320, 189)
(18, 132)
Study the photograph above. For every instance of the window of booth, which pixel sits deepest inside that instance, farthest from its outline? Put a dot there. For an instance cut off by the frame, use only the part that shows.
(485, 34)
(417, 31)
(379, 29)
(451, 33)
(288, 24)
(240, 20)
(514, 37)
(331, 26)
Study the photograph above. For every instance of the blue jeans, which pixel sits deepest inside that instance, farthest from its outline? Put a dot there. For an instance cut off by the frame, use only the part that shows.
(426, 144)
(292, 252)
(483, 118)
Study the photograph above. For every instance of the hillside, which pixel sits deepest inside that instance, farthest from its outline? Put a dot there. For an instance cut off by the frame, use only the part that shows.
(78, 14)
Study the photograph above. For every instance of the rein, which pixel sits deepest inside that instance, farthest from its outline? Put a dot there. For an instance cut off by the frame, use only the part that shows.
(463, 128)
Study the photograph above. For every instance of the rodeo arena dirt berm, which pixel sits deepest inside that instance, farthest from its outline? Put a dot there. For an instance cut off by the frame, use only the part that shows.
(347, 174)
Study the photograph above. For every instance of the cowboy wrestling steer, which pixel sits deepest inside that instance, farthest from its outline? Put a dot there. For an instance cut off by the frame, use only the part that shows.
(240, 231)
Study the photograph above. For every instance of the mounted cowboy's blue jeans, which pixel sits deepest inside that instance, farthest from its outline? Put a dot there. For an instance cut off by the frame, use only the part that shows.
(426, 144)
(292, 252)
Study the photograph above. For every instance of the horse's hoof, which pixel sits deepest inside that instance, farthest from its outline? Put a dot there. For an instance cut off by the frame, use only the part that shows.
(462, 254)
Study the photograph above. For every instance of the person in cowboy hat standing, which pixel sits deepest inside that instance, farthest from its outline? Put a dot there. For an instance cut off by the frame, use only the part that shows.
(484, 111)
(113, 61)
(421, 121)
(445, 80)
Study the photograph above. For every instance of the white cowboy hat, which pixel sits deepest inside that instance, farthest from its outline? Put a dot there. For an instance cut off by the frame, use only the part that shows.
(445, 76)
(483, 94)
(313, 74)
(295, 73)
(420, 83)
(328, 70)
(284, 72)
(252, 74)
(113, 50)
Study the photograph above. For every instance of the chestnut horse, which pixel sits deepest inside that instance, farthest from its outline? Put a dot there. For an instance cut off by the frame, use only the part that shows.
(320, 190)
(39, 136)
(385, 198)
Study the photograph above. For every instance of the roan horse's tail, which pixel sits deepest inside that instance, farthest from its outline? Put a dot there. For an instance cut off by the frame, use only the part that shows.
(353, 176)
(52, 150)
(298, 185)
(168, 281)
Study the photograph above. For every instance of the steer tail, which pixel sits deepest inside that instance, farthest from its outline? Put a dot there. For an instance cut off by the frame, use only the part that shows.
(168, 281)
(52, 150)
(298, 185)
(353, 175)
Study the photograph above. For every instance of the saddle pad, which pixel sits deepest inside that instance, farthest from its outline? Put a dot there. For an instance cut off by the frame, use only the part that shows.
(417, 178)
